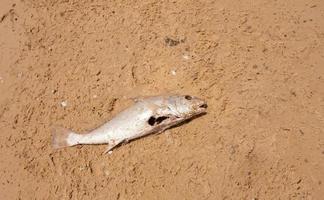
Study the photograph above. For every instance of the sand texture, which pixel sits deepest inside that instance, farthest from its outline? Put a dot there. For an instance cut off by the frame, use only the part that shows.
(76, 64)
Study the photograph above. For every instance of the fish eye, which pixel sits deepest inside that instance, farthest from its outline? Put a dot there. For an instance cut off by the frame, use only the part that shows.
(188, 97)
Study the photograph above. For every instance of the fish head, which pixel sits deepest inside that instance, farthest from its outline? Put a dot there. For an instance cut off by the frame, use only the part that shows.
(186, 106)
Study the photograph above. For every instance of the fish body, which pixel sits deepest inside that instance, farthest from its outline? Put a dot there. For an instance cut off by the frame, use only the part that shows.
(146, 116)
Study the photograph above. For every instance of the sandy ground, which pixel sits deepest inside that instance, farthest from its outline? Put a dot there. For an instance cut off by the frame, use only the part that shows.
(259, 64)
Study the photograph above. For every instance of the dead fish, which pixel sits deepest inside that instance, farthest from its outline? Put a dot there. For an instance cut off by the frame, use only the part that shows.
(146, 116)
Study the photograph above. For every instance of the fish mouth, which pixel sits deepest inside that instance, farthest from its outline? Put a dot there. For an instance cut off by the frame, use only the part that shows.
(202, 108)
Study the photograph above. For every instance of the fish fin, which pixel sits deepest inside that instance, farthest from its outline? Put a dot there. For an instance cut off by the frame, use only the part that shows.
(112, 144)
(60, 136)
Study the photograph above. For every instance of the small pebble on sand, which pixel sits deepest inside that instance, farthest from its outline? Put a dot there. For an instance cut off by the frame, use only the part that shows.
(186, 56)
(64, 103)
(106, 172)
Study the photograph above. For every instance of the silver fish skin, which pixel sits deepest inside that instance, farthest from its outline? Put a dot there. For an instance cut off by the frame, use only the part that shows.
(146, 116)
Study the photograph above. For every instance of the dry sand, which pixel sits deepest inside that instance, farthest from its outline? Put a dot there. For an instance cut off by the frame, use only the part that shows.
(259, 64)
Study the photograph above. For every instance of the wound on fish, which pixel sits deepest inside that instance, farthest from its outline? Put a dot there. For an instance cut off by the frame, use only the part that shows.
(154, 121)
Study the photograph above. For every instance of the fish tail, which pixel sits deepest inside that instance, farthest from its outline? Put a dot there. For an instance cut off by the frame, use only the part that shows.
(61, 137)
